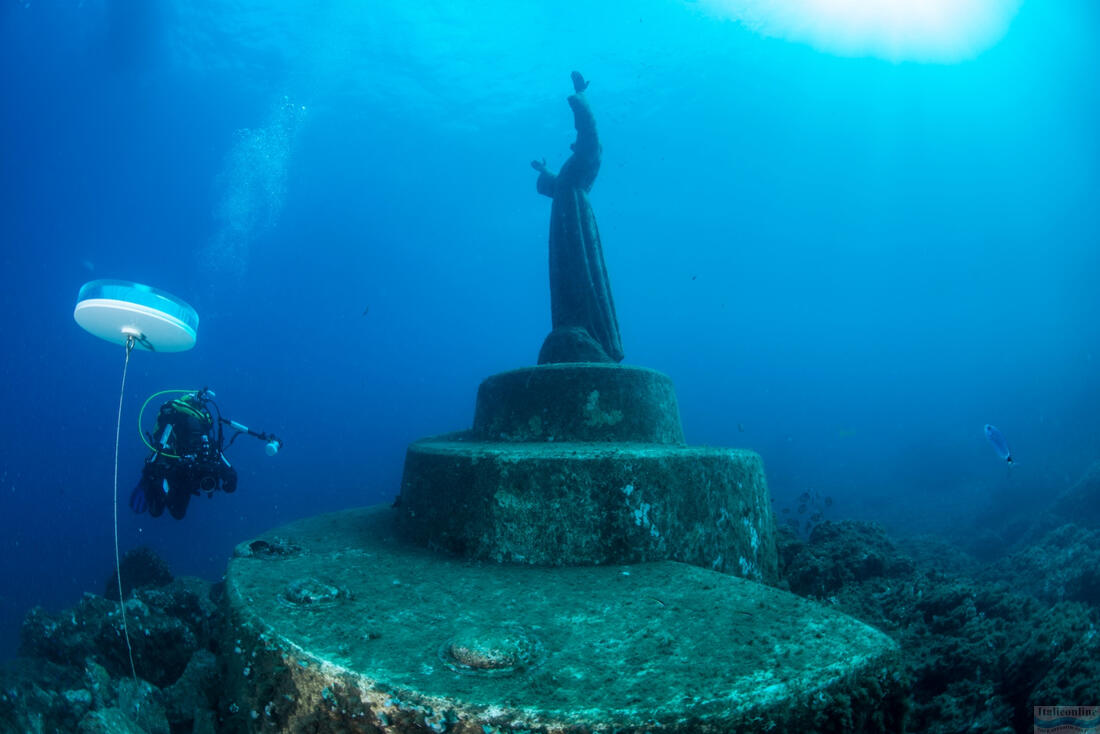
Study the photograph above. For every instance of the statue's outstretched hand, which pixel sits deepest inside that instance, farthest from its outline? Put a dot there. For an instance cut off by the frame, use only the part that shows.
(579, 84)
(539, 166)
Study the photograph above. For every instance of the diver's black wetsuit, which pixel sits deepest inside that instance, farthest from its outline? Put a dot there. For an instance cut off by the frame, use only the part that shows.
(190, 460)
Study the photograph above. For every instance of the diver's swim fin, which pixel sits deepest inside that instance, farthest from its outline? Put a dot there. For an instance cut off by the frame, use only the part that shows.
(137, 500)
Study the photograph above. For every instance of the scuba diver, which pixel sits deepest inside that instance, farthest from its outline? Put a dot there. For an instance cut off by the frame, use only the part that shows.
(187, 456)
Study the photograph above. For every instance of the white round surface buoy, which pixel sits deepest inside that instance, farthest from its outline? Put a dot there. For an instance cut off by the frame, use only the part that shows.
(115, 310)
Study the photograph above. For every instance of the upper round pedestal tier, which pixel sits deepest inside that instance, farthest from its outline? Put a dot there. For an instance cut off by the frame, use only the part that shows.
(578, 402)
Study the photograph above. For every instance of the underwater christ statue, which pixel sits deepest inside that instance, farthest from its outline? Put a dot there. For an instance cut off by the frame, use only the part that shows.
(584, 325)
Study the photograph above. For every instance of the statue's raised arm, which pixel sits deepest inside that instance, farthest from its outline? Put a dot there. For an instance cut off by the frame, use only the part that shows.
(588, 141)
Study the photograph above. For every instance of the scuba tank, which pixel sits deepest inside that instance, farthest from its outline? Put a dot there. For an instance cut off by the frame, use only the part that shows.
(184, 427)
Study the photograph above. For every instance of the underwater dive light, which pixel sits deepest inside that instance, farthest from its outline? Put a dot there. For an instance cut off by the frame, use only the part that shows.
(272, 443)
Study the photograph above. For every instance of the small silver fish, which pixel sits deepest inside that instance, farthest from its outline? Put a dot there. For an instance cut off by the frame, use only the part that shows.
(1000, 444)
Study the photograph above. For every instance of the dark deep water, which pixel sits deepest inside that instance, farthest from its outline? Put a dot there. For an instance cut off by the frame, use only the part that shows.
(848, 264)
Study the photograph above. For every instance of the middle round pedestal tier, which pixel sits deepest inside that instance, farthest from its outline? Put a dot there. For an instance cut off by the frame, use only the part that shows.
(565, 504)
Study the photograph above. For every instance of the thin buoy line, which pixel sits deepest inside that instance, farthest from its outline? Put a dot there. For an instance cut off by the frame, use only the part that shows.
(118, 563)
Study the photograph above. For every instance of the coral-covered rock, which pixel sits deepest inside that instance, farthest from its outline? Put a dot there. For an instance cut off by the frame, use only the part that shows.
(1080, 503)
(37, 695)
(1072, 673)
(73, 673)
(195, 691)
(109, 721)
(933, 553)
(141, 568)
(167, 626)
(67, 637)
(98, 682)
(144, 705)
(161, 643)
(980, 653)
(192, 601)
(1063, 566)
(838, 554)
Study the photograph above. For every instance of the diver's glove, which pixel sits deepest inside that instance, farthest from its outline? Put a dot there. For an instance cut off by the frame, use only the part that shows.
(137, 499)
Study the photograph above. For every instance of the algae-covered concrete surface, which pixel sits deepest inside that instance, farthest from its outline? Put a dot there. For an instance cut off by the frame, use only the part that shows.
(578, 402)
(591, 503)
(340, 626)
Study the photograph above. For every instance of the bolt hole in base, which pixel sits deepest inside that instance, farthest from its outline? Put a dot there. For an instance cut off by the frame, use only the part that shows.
(492, 650)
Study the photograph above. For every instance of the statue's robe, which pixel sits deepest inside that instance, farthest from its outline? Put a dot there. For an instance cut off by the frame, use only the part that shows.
(580, 294)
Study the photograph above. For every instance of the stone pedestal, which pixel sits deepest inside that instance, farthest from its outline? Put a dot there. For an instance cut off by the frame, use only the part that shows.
(528, 581)
(585, 464)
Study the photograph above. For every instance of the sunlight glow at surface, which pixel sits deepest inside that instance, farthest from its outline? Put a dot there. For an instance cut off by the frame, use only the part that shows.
(942, 31)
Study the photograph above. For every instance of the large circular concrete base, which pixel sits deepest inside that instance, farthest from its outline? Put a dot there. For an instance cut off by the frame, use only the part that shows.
(339, 626)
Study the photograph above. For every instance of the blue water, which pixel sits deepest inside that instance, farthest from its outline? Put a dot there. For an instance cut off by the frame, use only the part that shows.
(847, 263)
